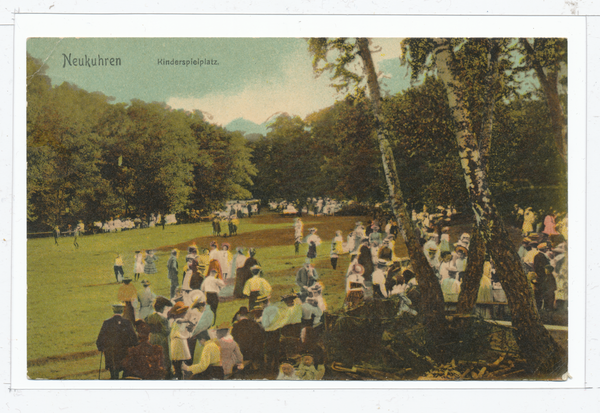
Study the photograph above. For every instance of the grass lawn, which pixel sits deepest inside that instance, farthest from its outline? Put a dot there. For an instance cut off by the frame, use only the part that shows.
(70, 291)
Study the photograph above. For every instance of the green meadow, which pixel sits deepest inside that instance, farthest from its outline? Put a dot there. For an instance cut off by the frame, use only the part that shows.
(70, 290)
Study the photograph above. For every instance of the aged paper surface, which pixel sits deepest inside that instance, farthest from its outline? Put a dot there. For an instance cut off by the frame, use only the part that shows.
(259, 82)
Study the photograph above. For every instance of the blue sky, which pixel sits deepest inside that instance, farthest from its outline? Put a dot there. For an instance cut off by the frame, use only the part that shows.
(255, 78)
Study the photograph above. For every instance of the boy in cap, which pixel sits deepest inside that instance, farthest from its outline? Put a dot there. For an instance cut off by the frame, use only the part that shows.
(287, 370)
(115, 337)
(209, 367)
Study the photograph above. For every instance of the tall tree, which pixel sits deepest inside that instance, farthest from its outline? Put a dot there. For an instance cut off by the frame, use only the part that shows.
(347, 50)
(548, 58)
(542, 353)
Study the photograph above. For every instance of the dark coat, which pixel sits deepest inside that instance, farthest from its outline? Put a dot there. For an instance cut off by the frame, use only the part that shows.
(544, 283)
(145, 361)
(250, 337)
(242, 275)
(365, 259)
(115, 337)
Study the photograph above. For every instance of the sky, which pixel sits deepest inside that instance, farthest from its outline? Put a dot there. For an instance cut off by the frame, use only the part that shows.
(253, 78)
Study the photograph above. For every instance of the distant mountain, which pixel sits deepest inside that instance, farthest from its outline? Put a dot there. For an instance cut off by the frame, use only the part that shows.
(246, 127)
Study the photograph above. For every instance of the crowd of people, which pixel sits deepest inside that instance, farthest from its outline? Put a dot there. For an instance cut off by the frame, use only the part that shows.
(155, 337)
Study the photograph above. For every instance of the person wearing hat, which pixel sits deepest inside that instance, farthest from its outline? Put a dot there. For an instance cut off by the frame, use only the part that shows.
(224, 257)
(298, 234)
(213, 251)
(379, 277)
(459, 260)
(311, 313)
(244, 274)
(385, 252)
(205, 321)
(179, 334)
(128, 295)
(305, 278)
(211, 287)
(545, 285)
(146, 299)
(231, 356)
(237, 262)
(256, 287)
(159, 329)
(365, 258)
(337, 248)
(287, 370)
(528, 220)
(524, 248)
(210, 366)
(173, 271)
(115, 337)
(150, 267)
(144, 361)
(276, 316)
(313, 241)
(307, 369)
(138, 265)
(530, 256)
(250, 337)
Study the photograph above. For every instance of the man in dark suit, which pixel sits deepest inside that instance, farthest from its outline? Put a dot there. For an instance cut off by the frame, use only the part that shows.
(115, 337)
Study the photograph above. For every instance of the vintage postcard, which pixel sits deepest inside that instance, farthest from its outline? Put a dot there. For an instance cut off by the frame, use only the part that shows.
(383, 208)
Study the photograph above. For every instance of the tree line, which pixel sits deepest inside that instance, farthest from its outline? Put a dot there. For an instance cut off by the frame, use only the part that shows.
(89, 159)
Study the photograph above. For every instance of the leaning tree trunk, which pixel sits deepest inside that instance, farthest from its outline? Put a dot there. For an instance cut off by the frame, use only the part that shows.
(536, 345)
(432, 299)
(469, 288)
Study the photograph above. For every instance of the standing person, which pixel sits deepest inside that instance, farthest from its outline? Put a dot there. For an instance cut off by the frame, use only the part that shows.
(211, 287)
(545, 283)
(150, 267)
(244, 274)
(115, 337)
(76, 233)
(146, 299)
(159, 329)
(224, 258)
(173, 268)
(298, 234)
(528, 220)
(118, 267)
(179, 334)
(127, 294)
(56, 234)
(337, 248)
(237, 262)
(379, 276)
(256, 288)
(365, 259)
(313, 242)
(138, 265)
(550, 225)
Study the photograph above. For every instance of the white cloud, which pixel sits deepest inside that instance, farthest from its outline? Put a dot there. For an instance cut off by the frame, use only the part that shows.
(300, 93)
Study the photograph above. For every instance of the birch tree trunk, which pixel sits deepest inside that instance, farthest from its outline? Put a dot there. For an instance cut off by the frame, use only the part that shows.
(469, 289)
(542, 353)
(432, 300)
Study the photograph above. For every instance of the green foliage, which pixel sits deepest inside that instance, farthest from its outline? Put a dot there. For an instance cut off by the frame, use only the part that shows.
(92, 160)
(287, 162)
